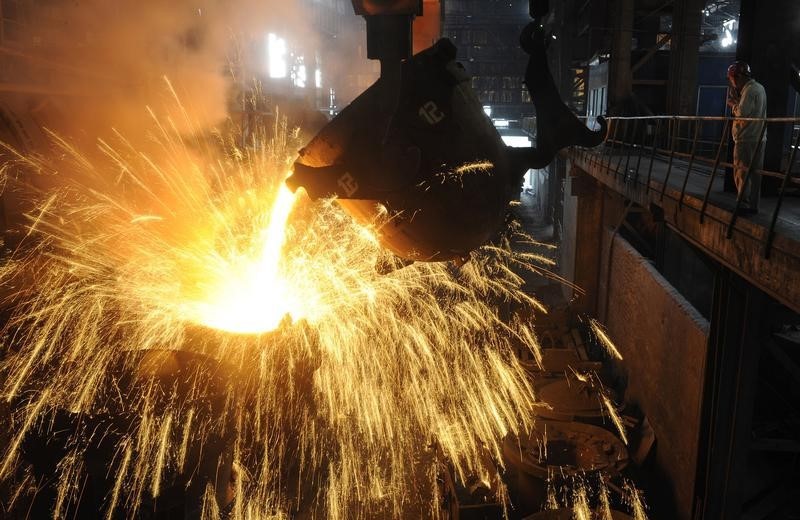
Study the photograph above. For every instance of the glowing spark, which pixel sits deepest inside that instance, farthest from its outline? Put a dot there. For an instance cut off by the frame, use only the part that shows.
(615, 418)
(457, 174)
(601, 334)
(123, 471)
(552, 500)
(610, 407)
(146, 218)
(605, 501)
(482, 166)
(583, 378)
(161, 455)
(636, 502)
(581, 509)
(70, 469)
(31, 415)
(184, 446)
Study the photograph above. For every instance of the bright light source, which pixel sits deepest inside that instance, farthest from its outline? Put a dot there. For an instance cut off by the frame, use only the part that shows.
(727, 41)
(516, 141)
(276, 54)
(318, 78)
(501, 123)
(728, 27)
(487, 110)
(300, 76)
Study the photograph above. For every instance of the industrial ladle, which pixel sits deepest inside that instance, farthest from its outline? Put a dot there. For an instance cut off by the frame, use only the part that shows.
(416, 154)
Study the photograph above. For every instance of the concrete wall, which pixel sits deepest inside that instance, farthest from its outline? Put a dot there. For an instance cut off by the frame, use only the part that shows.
(582, 221)
(663, 338)
(664, 343)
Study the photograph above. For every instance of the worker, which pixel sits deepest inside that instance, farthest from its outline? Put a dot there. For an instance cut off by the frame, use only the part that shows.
(747, 99)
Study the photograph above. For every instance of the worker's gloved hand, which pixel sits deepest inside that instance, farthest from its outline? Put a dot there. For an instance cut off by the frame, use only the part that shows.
(733, 97)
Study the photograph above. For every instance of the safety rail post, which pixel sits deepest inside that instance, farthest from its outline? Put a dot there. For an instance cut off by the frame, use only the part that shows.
(676, 130)
(585, 155)
(740, 196)
(786, 180)
(697, 127)
(601, 157)
(595, 157)
(588, 156)
(722, 144)
(598, 157)
(610, 149)
(623, 145)
(653, 154)
(639, 159)
(632, 145)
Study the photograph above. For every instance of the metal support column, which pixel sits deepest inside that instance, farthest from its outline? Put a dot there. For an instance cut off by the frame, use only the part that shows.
(620, 85)
(729, 396)
(767, 40)
(588, 239)
(684, 57)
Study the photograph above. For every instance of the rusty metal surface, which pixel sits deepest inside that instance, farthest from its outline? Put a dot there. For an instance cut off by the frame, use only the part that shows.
(567, 399)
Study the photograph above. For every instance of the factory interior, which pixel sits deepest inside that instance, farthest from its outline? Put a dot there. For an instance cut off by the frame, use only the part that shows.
(400, 259)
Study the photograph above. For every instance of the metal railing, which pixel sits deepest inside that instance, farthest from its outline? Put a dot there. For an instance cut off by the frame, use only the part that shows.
(703, 143)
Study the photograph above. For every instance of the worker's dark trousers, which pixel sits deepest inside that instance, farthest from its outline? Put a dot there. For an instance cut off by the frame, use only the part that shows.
(748, 155)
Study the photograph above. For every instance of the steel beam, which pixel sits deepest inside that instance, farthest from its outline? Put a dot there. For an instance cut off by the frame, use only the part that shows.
(729, 396)
(620, 86)
(684, 57)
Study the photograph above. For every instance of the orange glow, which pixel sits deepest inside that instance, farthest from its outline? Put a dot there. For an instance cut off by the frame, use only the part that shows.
(372, 382)
(251, 294)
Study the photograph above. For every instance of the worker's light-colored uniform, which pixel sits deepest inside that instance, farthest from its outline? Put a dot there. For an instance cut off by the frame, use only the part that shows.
(748, 152)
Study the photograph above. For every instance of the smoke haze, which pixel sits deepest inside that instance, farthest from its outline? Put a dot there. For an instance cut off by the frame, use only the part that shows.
(103, 62)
